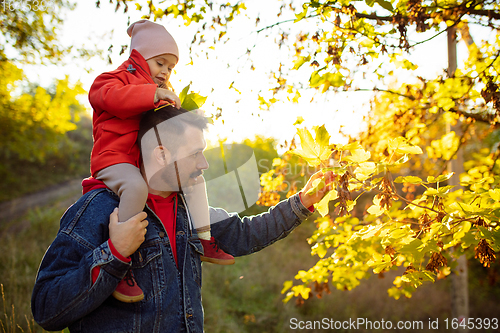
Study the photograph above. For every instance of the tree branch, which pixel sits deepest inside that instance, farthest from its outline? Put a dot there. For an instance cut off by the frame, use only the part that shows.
(490, 13)
(373, 17)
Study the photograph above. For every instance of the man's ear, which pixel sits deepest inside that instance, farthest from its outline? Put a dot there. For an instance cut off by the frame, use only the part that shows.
(162, 155)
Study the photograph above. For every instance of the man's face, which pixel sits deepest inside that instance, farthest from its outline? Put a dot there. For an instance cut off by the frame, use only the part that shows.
(190, 160)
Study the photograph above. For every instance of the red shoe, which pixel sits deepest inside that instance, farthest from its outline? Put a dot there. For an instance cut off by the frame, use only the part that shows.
(214, 254)
(127, 290)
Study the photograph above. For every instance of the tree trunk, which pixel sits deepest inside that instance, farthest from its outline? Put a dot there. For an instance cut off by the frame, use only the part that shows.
(459, 277)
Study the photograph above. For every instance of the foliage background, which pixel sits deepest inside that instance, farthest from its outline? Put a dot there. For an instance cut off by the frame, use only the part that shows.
(322, 48)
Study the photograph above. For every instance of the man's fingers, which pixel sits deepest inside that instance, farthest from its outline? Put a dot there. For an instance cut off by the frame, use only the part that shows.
(113, 218)
(317, 175)
(138, 217)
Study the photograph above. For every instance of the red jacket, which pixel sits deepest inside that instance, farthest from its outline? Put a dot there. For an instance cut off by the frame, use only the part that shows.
(119, 98)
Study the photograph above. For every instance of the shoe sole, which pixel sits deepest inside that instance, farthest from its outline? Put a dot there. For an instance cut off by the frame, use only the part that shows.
(217, 261)
(128, 299)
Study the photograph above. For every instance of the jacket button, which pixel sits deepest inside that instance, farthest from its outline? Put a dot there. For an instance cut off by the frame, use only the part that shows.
(188, 315)
(161, 234)
(104, 255)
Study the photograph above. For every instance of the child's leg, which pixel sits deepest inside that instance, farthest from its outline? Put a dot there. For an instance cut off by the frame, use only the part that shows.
(198, 208)
(126, 181)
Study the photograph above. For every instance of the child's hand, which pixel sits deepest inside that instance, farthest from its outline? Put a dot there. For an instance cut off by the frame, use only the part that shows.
(127, 236)
(167, 95)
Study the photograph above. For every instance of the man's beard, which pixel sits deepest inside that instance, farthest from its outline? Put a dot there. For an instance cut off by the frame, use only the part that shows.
(171, 178)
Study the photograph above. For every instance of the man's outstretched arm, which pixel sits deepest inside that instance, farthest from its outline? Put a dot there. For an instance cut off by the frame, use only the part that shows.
(240, 236)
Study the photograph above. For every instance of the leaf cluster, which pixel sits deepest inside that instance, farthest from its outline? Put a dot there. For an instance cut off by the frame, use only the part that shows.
(33, 122)
(423, 233)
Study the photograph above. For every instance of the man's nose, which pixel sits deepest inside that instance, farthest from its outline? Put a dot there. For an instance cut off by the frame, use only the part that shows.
(202, 163)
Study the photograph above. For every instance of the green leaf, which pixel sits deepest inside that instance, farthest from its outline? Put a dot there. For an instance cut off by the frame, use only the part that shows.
(184, 92)
(414, 248)
(416, 278)
(385, 4)
(464, 228)
(379, 262)
(191, 101)
(301, 15)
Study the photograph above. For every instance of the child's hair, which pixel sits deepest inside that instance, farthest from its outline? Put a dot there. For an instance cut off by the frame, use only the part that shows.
(151, 39)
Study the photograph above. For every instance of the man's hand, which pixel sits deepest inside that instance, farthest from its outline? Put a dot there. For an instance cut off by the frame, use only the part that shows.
(127, 236)
(309, 200)
(167, 95)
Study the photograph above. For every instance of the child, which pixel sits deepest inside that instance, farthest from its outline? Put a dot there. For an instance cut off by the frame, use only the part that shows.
(119, 98)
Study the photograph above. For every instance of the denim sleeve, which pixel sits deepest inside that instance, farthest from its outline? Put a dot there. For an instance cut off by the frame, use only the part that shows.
(240, 236)
(63, 291)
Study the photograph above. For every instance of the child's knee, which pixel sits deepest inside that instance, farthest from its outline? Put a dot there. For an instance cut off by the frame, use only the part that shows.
(138, 187)
(141, 187)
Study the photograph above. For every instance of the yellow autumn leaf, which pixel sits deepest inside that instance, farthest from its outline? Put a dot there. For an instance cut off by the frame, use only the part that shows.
(399, 145)
(322, 205)
(365, 170)
(286, 285)
(375, 210)
(317, 185)
(312, 151)
(495, 194)
(358, 156)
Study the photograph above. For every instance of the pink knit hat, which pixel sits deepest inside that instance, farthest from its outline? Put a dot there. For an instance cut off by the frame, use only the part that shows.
(151, 39)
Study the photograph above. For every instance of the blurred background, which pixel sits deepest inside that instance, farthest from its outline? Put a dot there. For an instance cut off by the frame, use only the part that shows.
(251, 61)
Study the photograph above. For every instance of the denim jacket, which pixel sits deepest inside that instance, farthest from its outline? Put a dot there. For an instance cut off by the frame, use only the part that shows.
(64, 295)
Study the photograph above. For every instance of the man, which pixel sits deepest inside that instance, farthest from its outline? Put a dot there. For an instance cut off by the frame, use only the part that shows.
(85, 262)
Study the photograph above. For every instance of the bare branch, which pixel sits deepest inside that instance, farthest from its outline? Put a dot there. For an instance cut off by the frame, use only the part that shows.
(490, 13)
(373, 17)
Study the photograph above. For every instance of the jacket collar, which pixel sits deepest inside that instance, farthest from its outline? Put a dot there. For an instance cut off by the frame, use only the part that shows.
(138, 63)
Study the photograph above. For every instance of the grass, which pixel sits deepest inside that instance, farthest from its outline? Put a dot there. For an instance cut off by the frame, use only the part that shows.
(244, 297)
(22, 244)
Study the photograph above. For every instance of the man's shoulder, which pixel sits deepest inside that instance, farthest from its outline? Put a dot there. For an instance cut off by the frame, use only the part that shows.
(94, 207)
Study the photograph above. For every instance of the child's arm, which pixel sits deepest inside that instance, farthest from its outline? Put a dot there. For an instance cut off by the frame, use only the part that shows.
(122, 100)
